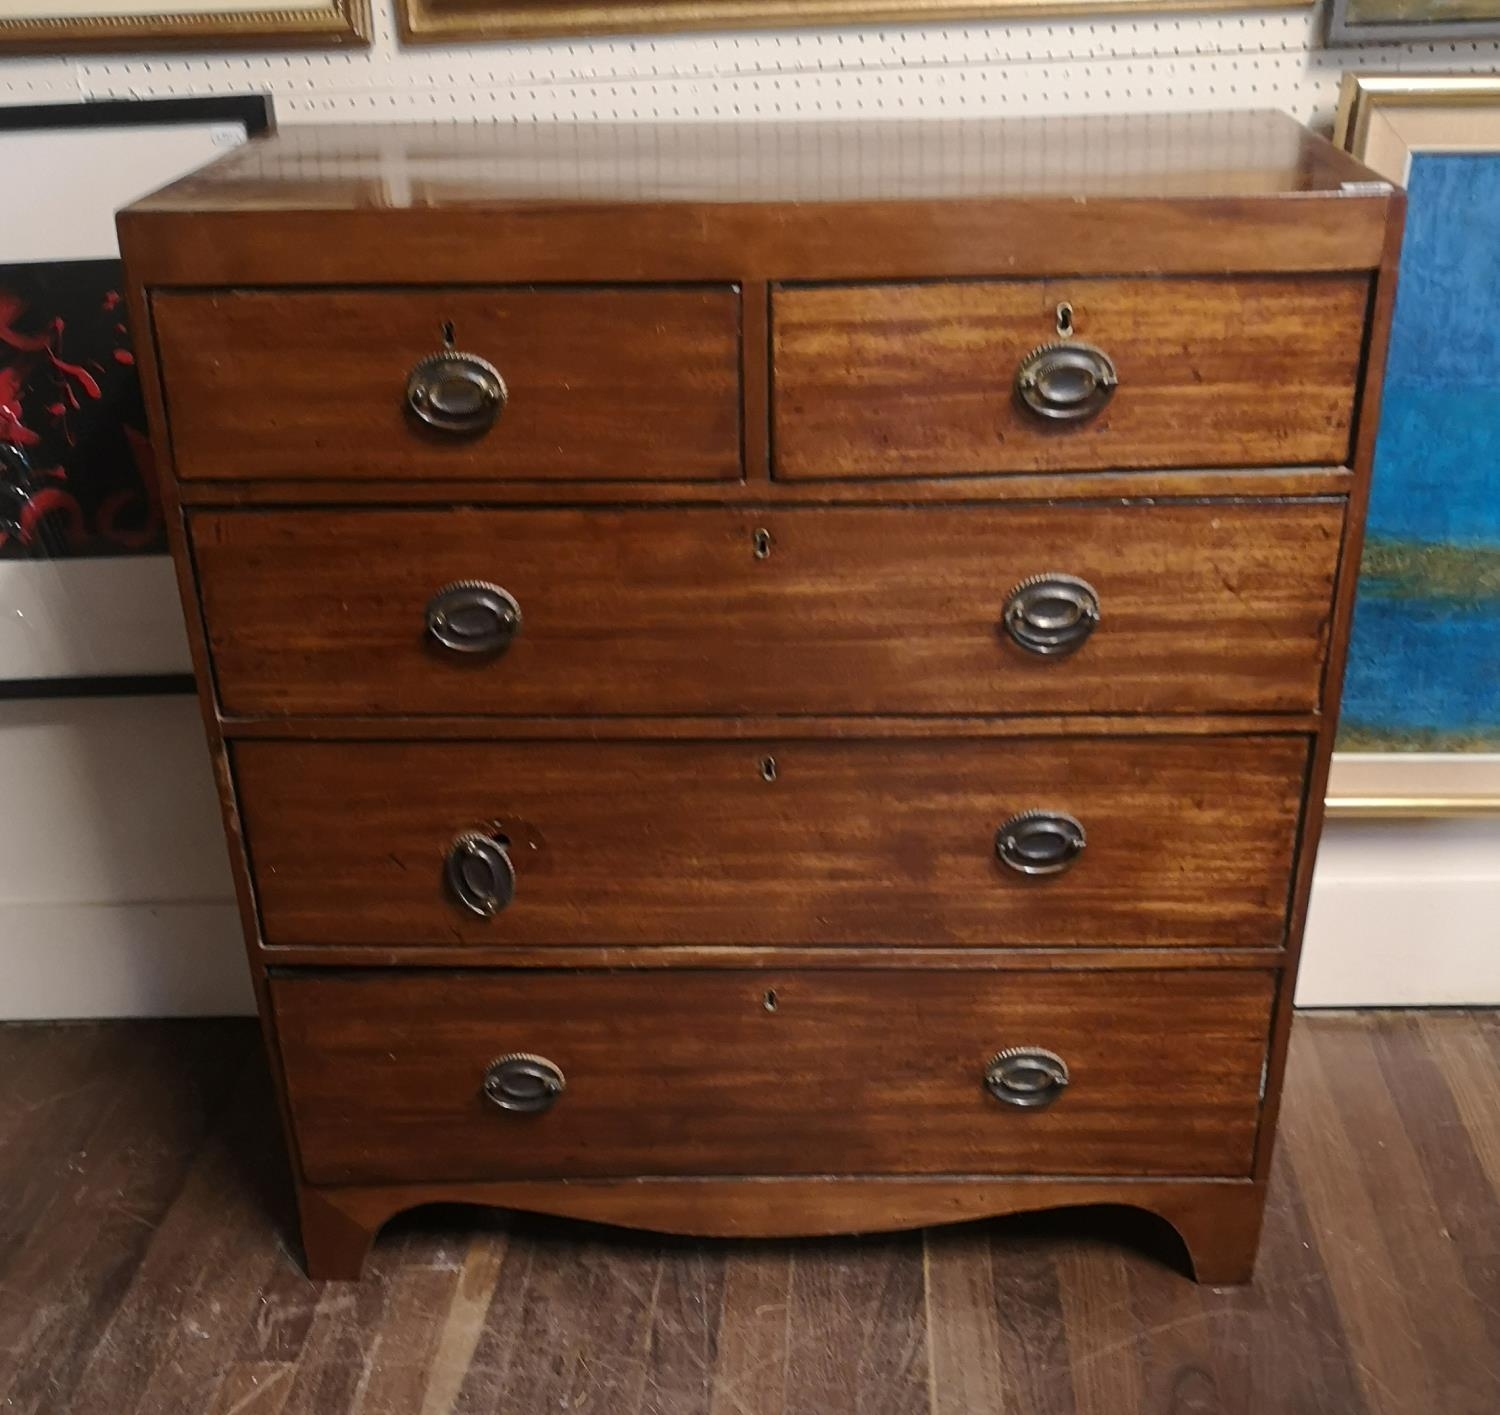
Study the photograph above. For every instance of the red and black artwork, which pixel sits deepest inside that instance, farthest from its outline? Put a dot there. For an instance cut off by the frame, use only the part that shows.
(76, 474)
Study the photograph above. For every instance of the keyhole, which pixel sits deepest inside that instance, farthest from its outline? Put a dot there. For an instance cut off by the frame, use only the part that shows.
(447, 333)
(1064, 318)
(762, 542)
(768, 768)
(769, 1001)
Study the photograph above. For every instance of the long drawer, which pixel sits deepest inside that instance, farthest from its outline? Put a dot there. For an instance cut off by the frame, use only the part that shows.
(402, 1076)
(957, 377)
(556, 384)
(1179, 607)
(1034, 842)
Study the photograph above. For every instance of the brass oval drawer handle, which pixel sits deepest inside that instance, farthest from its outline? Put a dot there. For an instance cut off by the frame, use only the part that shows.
(480, 874)
(1066, 382)
(1052, 614)
(1040, 842)
(1028, 1077)
(473, 616)
(523, 1082)
(456, 393)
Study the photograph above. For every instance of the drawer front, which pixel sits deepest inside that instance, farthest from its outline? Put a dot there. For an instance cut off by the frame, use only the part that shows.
(693, 1072)
(1208, 607)
(921, 380)
(844, 843)
(608, 384)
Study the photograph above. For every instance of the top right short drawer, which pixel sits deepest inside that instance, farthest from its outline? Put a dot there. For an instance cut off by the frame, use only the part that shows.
(964, 378)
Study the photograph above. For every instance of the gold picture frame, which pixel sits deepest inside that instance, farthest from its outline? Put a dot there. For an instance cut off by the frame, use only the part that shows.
(1382, 120)
(45, 27)
(447, 21)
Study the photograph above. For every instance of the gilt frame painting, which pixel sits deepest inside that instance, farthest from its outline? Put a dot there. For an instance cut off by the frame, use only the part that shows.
(448, 21)
(72, 26)
(1420, 727)
(1411, 21)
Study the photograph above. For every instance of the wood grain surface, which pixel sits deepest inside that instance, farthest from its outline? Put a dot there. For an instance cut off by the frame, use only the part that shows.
(781, 1074)
(1204, 607)
(1170, 483)
(1189, 842)
(899, 380)
(604, 384)
(150, 1268)
(1217, 192)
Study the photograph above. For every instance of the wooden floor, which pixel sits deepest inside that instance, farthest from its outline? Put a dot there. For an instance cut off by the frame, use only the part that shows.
(145, 1267)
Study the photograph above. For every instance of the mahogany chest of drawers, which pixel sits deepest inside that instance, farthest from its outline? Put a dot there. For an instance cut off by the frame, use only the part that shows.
(771, 680)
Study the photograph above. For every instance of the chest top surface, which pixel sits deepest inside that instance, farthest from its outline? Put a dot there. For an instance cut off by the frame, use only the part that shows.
(358, 167)
(1208, 193)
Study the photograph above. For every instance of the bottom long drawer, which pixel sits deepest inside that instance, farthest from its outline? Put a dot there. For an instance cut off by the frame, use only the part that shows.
(433, 1075)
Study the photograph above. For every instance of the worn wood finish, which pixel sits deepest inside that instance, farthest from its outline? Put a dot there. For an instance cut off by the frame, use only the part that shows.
(851, 843)
(898, 380)
(757, 490)
(1204, 608)
(551, 216)
(148, 1250)
(1192, 193)
(625, 384)
(1217, 1220)
(763, 957)
(755, 728)
(770, 1074)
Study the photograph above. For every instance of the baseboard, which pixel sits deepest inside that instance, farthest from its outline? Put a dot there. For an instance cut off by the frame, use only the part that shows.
(122, 960)
(1404, 914)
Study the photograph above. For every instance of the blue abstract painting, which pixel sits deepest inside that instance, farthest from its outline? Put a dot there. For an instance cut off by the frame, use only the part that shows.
(1424, 661)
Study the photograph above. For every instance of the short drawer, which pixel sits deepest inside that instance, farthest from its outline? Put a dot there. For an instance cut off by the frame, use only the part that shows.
(1200, 608)
(698, 1072)
(922, 380)
(606, 384)
(1146, 842)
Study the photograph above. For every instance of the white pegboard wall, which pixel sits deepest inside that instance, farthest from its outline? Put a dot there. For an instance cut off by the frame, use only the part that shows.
(1114, 63)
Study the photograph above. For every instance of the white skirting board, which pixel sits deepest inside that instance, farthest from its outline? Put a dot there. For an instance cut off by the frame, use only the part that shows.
(115, 896)
(1405, 913)
(116, 901)
(122, 960)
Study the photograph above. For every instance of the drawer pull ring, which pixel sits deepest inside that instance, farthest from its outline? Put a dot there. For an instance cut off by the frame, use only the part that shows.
(472, 616)
(480, 873)
(1040, 842)
(1028, 1077)
(1066, 382)
(522, 1082)
(1051, 614)
(457, 393)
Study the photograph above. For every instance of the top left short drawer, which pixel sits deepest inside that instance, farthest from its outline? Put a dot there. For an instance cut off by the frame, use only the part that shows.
(576, 384)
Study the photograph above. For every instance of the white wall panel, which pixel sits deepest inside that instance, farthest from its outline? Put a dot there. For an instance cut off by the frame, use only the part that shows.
(1114, 63)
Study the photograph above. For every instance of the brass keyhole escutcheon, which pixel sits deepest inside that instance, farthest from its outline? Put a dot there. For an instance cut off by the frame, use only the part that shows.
(768, 768)
(761, 543)
(1064, 318)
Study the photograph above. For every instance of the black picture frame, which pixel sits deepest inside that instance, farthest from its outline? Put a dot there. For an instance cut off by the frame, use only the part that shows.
(256, 113)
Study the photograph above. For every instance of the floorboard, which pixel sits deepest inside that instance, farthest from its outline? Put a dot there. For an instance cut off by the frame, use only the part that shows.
(148, 1267)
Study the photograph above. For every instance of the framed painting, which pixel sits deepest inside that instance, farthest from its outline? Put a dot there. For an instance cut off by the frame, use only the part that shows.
(88, 600)
(71, 26)
(1366, 21)
(1420, 729)
(445, 21)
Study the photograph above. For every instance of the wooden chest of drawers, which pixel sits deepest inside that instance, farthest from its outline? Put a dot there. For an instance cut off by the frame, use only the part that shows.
(772, 680)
